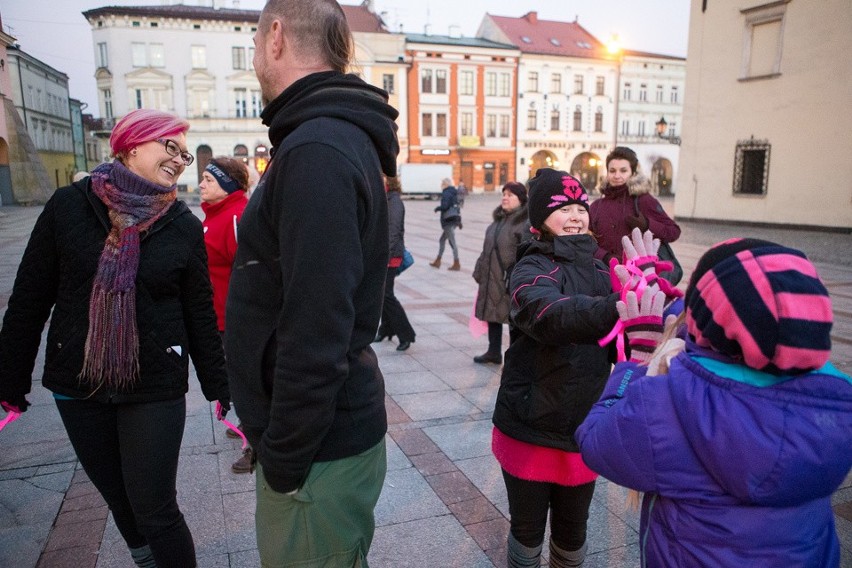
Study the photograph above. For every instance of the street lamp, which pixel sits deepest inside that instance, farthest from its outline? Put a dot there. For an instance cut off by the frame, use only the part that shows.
(662, 126)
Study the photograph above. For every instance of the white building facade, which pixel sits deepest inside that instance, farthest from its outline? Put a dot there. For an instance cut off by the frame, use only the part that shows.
(196, 62)
(650, 111)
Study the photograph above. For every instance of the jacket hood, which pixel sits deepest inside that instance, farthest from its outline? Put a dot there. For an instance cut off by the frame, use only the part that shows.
(636, 185)
(331, 94)
(769, 446)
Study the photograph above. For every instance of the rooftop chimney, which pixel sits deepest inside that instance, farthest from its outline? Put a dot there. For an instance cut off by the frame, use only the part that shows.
(532, 17)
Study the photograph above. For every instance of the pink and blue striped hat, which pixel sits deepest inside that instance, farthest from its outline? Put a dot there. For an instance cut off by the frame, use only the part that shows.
(762, 304)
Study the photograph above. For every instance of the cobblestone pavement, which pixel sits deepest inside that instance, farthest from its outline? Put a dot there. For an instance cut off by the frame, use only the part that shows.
(443, 503)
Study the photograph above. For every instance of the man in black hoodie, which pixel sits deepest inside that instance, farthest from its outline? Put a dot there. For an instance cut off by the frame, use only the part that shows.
(305, 295)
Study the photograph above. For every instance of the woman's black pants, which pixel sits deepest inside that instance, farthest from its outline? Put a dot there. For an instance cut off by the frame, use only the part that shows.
(130, 453)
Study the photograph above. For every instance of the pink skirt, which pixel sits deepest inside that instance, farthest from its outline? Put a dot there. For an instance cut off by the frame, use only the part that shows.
(539, 463)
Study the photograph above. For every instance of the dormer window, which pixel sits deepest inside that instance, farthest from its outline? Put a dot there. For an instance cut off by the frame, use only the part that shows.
(555, 42)
(584, 45)
(526, 39)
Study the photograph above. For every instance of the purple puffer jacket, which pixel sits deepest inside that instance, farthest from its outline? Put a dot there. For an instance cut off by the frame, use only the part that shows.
(734, 474)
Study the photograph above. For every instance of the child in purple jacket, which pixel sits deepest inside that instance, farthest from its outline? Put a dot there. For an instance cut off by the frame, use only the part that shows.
(739, 446)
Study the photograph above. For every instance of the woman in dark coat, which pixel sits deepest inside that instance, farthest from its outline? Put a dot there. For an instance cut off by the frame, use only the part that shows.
(499, 251)
(122, 266)
(627, 203)
(394, 319)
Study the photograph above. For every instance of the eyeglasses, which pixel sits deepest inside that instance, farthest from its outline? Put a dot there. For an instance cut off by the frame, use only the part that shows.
(174, 150)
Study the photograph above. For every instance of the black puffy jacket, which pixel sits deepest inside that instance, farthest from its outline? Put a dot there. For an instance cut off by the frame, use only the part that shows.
(554, 371)
(174, 304)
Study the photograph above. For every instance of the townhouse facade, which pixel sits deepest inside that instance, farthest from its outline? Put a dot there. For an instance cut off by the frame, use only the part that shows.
(574, 94)
(461, 107)
(765, 114)
(197, 62)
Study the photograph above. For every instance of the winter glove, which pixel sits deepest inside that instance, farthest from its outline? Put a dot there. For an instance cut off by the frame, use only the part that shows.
(643, 323)
(15, 404)
(637, 222)
(640, 250)
(222, 408)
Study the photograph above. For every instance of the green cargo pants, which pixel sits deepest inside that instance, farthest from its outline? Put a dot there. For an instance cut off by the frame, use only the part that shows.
(328, 522)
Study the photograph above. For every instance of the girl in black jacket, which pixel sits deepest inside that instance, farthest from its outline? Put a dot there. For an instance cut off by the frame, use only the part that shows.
(554, 371)
(122, 265)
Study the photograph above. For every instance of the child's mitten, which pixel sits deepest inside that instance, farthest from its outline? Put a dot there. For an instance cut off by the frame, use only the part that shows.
(643, 322)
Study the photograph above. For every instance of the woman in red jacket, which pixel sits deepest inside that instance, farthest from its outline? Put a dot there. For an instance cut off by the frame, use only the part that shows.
(223, 196)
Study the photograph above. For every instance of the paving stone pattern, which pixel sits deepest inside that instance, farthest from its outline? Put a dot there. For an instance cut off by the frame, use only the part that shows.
(443, 503)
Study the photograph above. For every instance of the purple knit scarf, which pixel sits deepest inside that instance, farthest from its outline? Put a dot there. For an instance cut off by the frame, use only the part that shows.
(112, 344)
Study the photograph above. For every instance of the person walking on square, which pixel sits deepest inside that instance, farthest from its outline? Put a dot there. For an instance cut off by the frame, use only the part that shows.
(119, 266)
(394, 319)
(450, 219)
(627, 203)
(554, 371)
(223, 198)
(493, 267)
(743, 438)
(305, 296)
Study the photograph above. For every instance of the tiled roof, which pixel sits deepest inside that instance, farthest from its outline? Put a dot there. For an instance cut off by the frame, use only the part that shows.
(450, 40)
(531, 35)
(359, 17)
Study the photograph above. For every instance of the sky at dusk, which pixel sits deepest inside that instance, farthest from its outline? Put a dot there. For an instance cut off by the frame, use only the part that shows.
(56, 32)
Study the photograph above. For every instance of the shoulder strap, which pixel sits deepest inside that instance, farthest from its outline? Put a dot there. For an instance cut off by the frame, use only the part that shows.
(636, 204)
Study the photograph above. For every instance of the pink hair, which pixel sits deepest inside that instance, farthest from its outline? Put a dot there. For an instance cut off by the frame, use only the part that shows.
(144, 125)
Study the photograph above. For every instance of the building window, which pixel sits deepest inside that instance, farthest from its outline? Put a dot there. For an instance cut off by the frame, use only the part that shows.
(532, 119)
(578, 84)
(103, 60)
(660, 94)
(751, 167)
(504, 173)
(600, 85)
(763, 36)
(199, 56)
(466, 83)
(674, 97)
(467, 124)
(139, 98)
(238, 57)
(578, 119)
(200, 101)
(641, 128)
(426, 81)
(628, 92)
(139, 54)
(505, 122)
(491, 126)
(643, 92)
(441, 81)
(625, 128)
(256, 103)
(491, 84)
(556, 83)
(532, 82)
(599, 119)
(240, 103)
(157, 55)
(107, 94)
(505, 84)
(387, 83)
(441, 125)
(554, 119)
(251, 58)
(426, 124)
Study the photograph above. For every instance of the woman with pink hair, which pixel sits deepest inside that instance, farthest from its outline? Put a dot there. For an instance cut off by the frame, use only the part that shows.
(121, 264)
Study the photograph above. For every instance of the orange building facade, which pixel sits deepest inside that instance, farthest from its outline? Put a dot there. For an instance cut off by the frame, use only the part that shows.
(462, 95)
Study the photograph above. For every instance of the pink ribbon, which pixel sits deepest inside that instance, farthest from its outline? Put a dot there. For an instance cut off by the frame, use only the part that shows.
(230, 425)
(12, 414)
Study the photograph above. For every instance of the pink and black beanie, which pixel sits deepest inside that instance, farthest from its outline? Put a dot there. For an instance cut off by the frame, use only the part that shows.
(762, 304)
(551, 189)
